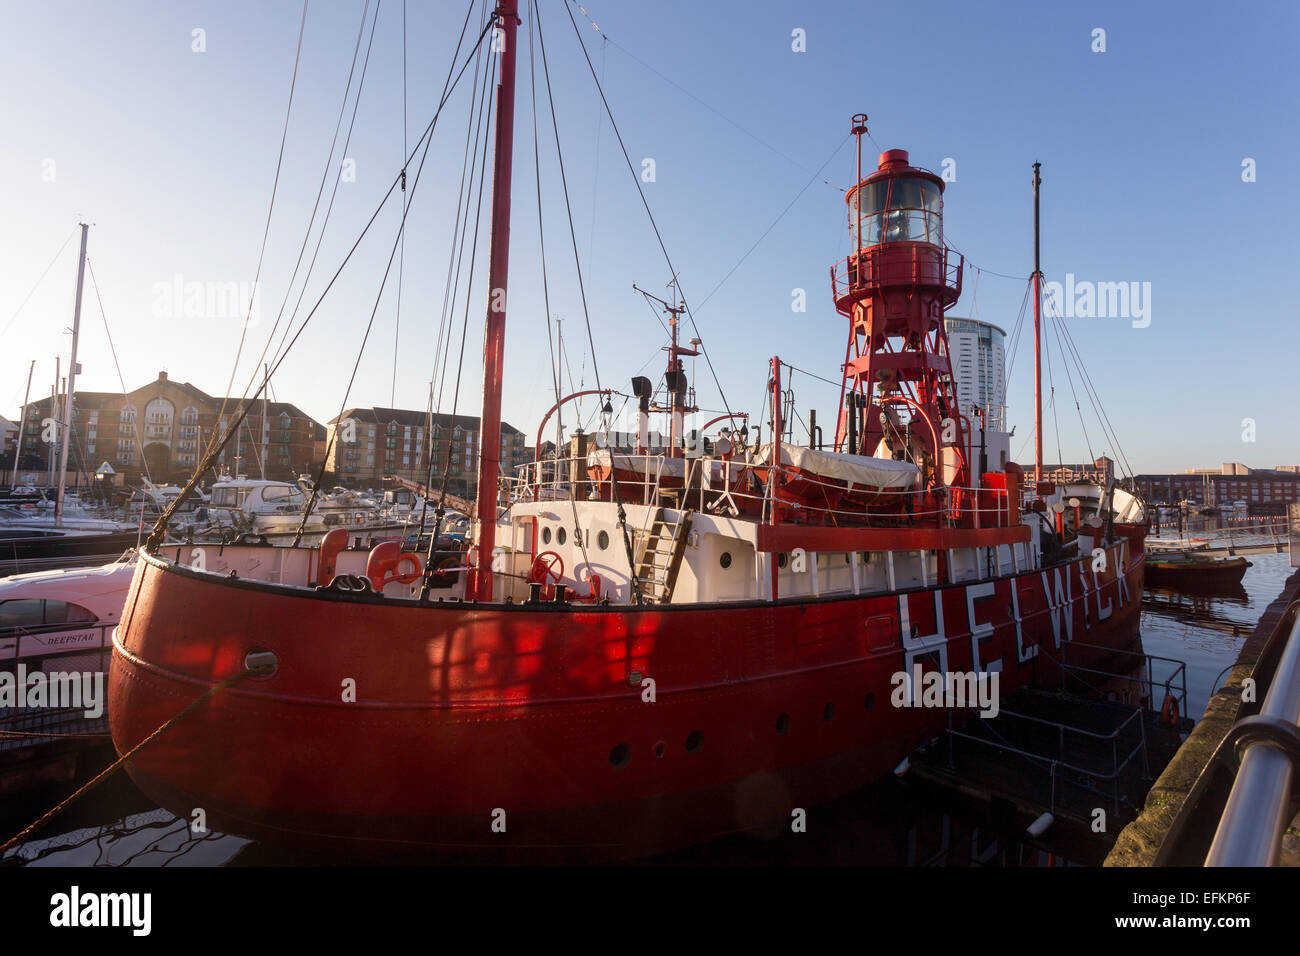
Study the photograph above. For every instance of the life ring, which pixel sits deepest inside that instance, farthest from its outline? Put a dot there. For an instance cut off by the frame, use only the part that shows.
(1170, 710)
(384, 565)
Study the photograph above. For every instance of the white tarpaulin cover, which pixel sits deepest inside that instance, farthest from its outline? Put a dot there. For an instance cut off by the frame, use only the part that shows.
(859, 470)
(641, 464)
(653, 465)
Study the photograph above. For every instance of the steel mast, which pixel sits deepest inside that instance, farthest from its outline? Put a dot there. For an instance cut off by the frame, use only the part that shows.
(72, 382)
(489, 458)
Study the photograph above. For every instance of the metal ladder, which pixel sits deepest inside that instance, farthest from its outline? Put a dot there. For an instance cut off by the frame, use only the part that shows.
(660, 556)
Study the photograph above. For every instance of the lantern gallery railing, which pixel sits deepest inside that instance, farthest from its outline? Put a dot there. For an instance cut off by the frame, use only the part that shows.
(911, 264)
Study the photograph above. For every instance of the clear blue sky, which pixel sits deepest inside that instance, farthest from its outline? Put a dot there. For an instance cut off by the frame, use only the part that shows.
(171, 155)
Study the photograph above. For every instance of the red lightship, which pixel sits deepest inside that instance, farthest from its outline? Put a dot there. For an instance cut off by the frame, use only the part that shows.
(653, 647)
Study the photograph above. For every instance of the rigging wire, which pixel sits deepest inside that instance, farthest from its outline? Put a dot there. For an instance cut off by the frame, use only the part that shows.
(266, 231)
(607, 39)
(1056, 426)
(644, 202)
(112, 349)
(486, 114)
(1092, 455)
(401, 262)
(557, 370)
(475, 130)
(774, 222)
(947, 236)
(1107, 428)
(46, 272)
(315, 206)
(242, 411)
(456, 254)
(595, 176)
(329, 208)
(408, 197)
(1019, 326)
(564, 182)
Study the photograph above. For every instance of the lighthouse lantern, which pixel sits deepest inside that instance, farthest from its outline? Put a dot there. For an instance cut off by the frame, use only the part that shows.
(897, 204)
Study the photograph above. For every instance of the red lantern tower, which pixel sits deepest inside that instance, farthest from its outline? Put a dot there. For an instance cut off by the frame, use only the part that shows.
(898, 398)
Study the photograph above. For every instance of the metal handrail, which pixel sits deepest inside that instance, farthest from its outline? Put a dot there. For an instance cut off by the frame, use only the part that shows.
(529, 487)
(1259, 805)
(856, 272)
(1178, 674)
(1117, 766)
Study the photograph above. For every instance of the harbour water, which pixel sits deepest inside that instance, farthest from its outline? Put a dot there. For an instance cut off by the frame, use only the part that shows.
(892, 823)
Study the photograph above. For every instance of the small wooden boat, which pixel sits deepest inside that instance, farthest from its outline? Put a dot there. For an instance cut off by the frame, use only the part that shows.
(1188, 570)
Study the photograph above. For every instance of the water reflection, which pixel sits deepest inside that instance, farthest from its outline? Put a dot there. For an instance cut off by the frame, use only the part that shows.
(1207, 630)
(154, 838)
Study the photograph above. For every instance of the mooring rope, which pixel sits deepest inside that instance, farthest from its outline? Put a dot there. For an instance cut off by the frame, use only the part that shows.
(106, 773)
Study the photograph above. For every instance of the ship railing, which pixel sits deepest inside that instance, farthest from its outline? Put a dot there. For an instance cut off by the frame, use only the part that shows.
(736, 491)
(1258, 534)
(1125, 745)
(23, 725)
(1139, 684)
(958, 501)
(861, 273)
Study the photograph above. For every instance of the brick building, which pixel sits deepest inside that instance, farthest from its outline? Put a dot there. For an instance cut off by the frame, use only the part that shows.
(365, 444)
(1266, 491)
(1100, 471)
(162, 428)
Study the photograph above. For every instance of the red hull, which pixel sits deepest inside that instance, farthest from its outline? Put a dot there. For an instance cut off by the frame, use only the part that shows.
(465, 710)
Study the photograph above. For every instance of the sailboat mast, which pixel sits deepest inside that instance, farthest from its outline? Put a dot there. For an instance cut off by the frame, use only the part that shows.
(1038, 355)
(54, 416)
(22, 423)
(489, 458)
(266, 428)
(72, 382)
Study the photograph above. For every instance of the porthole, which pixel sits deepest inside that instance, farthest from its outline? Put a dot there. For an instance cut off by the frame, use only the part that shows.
(725, 559)
(782, 560)
(828, 713)
(560, 536)
(546, 536)
(660, 747)
(602, 539)
(694, 741)
(620, 755)
(783, 724)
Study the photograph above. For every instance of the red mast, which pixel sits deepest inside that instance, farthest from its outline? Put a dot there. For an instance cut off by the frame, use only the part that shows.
(489, 458)
(1038, 360)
